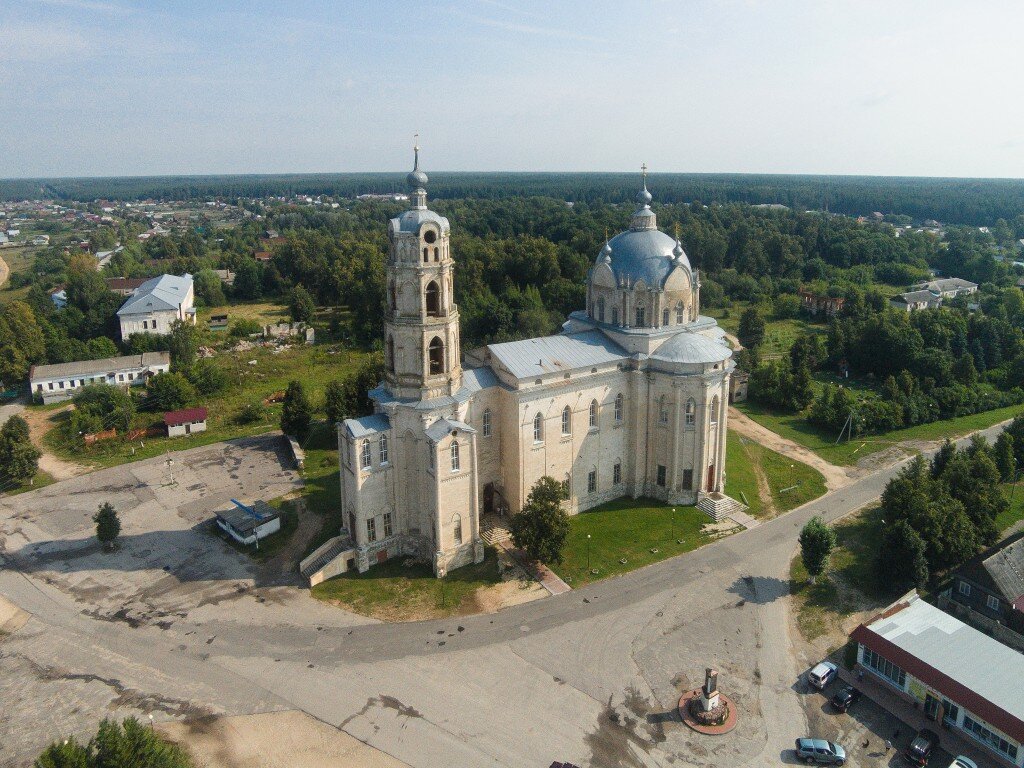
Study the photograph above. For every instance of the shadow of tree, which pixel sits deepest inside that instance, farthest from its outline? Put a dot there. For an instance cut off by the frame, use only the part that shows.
(759, 590)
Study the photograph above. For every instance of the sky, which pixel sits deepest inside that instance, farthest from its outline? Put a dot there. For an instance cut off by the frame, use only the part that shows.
(114, 87)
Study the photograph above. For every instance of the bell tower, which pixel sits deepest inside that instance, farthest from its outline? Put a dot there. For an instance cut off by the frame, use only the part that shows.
(421, 328)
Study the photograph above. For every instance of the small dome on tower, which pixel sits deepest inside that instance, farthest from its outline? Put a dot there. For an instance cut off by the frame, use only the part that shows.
(417, 178)
(605, 257)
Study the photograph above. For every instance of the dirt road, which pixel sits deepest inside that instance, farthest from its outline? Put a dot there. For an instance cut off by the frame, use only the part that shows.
(835, 477)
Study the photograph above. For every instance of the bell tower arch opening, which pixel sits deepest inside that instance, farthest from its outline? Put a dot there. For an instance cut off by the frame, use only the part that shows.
(435, 357)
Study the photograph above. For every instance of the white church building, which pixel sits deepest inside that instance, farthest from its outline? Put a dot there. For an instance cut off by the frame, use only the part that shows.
(630, 399)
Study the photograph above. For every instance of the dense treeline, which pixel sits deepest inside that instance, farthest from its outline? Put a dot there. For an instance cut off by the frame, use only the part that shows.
(962, 201)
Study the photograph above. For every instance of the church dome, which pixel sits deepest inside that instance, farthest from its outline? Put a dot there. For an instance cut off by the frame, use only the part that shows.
(692, 348)
(417, 179)
(643, 252)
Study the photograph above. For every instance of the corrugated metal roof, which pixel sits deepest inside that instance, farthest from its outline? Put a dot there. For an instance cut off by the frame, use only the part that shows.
(368, 425)
(184, 416)
(557, 354)
(985, 666)
(443, 427)
(105, 365)
(166, 292)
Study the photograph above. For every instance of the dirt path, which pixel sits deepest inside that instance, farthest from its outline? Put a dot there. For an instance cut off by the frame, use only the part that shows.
(5, 272)
(835, 477)
(39, 423)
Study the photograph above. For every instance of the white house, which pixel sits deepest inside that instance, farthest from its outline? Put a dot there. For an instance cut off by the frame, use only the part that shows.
(247, 525)
(60, 381)
(185, 422)
(41, 240)
(156, 304)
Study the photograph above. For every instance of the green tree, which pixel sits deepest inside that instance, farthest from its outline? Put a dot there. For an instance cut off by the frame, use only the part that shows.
(169, 392)
(183, 345)
(301, 305)
(19, 459)
(105, 405)
(248, 280)
(339, 399)
(751, 330)
(108, 525)
(1006, 461)
(297, 411)
(209, 289)
(101, 347)
(817, 541)
(542, 527)
(115, 745)
(207, 377)
(902, 557)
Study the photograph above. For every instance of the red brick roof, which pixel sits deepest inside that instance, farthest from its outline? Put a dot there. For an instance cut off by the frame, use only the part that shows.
(185, 416)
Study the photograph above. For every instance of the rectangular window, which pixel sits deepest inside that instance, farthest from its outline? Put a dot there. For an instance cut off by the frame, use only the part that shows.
(885, 668)
(62, 385)
(365, 460)
(992, 602)
(455, 457)
(371, 530)
(383, 449)
(50, 385)
(989, 739)
(617, 473)
(964, 589)
(487, 423)
(388, 532)
(661, 475)
(687, 479)
(592, 481)
(457, 530)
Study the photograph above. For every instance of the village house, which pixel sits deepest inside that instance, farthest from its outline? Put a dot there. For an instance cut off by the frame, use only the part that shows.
(816, 304)
(185, 422)
(987, 592)
(157, 304)
(60, 381)
(930, 295)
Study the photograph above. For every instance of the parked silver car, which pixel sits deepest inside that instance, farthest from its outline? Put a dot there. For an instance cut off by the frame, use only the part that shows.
(820, 751)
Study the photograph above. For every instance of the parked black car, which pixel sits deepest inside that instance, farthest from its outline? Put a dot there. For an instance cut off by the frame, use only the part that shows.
(844, 697)
(921, 748)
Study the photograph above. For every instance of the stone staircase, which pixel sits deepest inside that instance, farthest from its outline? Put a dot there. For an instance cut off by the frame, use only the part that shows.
(325, 554)
(717, 505)
(493, 531)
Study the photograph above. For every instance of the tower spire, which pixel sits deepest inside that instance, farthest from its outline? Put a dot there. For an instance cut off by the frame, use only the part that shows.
(417, 179)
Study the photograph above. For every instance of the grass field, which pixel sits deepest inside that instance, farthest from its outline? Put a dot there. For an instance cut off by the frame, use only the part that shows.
(790, 483)
(41, 480)
(322, 491)
(851, 582)
(627, 529)
(796, 428)
(263, 312)
(314, 365)
(397, 591)
(779, 335)
(1015, 512)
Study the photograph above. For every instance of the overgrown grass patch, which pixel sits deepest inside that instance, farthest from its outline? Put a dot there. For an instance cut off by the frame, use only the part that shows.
(790, 482)
(795, 427)
(1014, 513)
(403, 590)
(851, 582)
(627, 534)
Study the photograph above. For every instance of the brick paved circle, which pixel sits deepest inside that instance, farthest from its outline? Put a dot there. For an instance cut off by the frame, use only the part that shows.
(708, 730)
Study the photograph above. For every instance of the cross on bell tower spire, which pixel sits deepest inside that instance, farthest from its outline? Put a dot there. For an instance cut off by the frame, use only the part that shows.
(417, 179)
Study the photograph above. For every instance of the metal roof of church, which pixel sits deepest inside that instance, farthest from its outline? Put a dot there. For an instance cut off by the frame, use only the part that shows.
(554, 354)
(444, 427)
(367, 425)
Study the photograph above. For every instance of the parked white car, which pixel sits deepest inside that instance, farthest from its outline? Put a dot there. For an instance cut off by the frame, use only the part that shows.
(963, 762)
(823, 674)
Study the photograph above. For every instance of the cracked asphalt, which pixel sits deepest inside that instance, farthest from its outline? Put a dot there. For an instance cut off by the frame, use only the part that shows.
(178, 625)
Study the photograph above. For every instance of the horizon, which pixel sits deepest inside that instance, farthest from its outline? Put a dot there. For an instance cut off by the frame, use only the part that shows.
(126, 89)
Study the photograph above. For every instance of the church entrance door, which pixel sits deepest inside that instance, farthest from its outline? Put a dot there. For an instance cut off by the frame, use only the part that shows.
(711, 477)
(489, 499)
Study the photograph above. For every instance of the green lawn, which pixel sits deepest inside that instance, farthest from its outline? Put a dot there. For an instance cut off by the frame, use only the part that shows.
(790, 482)
(322, 491)
(314, 365)
(627, 529)
(779, 335)
(41, 480)
(399, 590)
(795, 427)
(851, 582)
(1015, 512)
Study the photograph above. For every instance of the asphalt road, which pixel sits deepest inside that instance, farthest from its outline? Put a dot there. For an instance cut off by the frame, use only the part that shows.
(590, 676)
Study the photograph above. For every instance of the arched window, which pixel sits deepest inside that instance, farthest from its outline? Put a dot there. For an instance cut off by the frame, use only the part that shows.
(436, 356)
(600, 310)
(392, 295)
(437, 254)
(538, 428)
(383, 449)
(664, 317)
(691, 412)
(615, 315)
(714, 409)
(641, 317)
(618, 407)
(455, 456)
(426, 254)
(433, 299)
(679, 313)
(457, 528)
(365, 458)
(567, 420)
(662, 410)
(487, 422)
(391, 354)
(593, 413)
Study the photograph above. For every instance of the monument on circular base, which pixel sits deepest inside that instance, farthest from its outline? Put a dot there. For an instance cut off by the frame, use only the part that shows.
(706, 709)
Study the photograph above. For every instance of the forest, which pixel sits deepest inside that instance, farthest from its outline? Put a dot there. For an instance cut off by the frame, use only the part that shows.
(980, 202)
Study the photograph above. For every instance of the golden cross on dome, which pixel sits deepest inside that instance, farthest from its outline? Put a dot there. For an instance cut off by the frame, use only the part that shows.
(643, 172)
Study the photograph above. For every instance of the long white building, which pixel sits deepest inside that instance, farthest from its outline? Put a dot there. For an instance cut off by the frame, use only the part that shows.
(60, 381)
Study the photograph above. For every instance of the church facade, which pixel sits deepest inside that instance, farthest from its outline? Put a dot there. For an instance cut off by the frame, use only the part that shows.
(630, 399)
